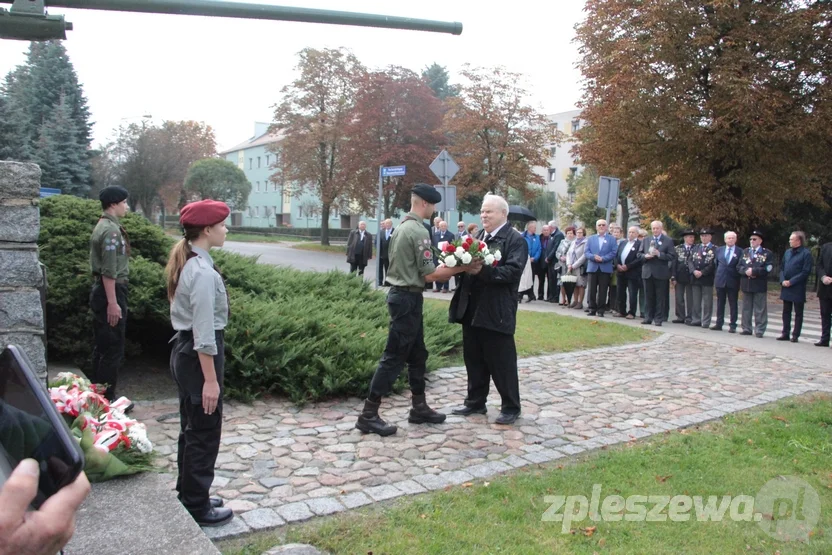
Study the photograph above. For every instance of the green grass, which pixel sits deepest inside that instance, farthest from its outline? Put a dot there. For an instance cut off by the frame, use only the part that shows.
(735, 456)
(544, 332)
(317, 247)
(254, 238)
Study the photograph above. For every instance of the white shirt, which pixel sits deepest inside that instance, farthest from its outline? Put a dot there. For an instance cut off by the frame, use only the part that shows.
(493, 233)
(626, 252)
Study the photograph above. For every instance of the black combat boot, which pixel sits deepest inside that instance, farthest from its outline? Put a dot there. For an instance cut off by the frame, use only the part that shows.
(421, 413)
(370, 422)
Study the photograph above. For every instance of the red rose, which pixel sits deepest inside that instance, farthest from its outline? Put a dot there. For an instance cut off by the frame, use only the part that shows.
(449, 248)
(482, 246)
(469, 240)
(495, 263)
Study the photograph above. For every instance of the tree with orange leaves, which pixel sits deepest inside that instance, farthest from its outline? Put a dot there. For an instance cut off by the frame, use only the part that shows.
(713, 112)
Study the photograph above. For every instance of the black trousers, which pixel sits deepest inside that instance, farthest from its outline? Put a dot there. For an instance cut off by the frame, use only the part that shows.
(385, 264)
(657, 294)
(541, 270)
(628, 287)
(552, 272)
(490, 355)
(358, 264)
(825, 319)
(599, 283)
(405, 344)
(732, 296)
(108, 352)
(199, 433)
(798, 318)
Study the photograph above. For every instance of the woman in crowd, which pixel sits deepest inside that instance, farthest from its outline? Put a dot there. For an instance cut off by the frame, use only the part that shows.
(472, 230)
(567, 287)
(576, 266)
(199, 313)
(794, 271)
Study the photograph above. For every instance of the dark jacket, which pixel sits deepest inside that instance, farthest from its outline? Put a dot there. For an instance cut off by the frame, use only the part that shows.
(658, 266)
(442, 236)
(385, 243)
(552, 248)
(760, 264)
(727, 276)
(825, 269)
(489, 299)
(682, 269)
(704, 260)
(796, 268)
(633, 262)
(353, 248)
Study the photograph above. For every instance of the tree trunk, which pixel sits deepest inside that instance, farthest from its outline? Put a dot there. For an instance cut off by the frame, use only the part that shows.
(625, 212)
(325, 223)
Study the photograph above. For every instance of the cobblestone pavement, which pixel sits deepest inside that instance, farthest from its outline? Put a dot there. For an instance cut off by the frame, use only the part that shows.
(280, 464)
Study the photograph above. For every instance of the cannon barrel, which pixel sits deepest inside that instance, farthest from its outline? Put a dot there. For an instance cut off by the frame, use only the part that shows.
(214, 8)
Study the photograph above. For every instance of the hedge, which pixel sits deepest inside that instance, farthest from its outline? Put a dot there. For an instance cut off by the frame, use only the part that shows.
(307, 335)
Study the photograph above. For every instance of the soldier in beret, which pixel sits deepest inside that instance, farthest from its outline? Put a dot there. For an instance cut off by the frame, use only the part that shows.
(411, 266)
(199, 311)
(704, 267)
(681, 274)
(754, 266)
(109, 256)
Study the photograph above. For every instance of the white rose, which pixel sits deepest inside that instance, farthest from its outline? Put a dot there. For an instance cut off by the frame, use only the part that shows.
(489, 259)
(450, 262)
(498, 256)
(459, 251)
(466, 258)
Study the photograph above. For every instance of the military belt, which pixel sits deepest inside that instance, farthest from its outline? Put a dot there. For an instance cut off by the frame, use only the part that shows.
(123, 281)
(409, 289)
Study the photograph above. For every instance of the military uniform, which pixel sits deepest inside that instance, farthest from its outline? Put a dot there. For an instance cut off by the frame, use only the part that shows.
(755, 288)
(682, 275)
(109, 256)
(704, 260)
(411, 259)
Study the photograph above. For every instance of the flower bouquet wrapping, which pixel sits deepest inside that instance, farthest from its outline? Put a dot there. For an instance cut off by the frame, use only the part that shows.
(113, 444)
(464, 251)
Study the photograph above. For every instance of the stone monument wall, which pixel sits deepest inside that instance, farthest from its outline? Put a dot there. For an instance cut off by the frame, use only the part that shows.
(21, 279)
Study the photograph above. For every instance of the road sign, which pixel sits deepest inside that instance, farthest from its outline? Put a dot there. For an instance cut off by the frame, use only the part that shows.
(608, 193)
(48, 192)
(448, 202)
(393, 171)
(444, 167)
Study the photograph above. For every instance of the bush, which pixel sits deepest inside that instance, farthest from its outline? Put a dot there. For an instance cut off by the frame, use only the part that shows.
(307, 335)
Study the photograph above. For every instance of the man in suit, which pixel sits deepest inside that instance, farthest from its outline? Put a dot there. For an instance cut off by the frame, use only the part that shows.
(628, 268)
(485, 304)
(681, 276)
(757, 261)
(442, 236)
(704, 264)
(551, 262)
(656, 254)
(825, 293)
(727, 281)
(600, 251)
(435, 229)
(359, 248)
(386, 232)
(461, 232)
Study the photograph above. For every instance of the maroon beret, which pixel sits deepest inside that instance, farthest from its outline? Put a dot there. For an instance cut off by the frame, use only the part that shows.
(203, 213)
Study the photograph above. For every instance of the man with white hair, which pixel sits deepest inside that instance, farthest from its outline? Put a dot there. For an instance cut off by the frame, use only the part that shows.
(485, 303)
(359, 248)
(727, 282)
(656, 252)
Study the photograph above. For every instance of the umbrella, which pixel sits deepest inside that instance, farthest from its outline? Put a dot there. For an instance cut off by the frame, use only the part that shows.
(516, 212)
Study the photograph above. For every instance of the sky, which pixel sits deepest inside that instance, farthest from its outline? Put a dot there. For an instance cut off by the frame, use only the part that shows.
(228, 73)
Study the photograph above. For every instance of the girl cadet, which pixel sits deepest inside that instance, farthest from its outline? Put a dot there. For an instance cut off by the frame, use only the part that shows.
(199, 313)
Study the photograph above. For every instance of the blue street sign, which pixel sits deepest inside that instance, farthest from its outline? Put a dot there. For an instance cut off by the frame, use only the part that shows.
(393, 171)
(48, 192)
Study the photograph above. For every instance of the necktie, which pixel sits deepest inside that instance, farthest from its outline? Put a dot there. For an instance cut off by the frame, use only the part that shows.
(728, 253)
(487, 237)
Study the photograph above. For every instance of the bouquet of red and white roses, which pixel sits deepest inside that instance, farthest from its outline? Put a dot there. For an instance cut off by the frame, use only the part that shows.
(113, 444)
(464, 251)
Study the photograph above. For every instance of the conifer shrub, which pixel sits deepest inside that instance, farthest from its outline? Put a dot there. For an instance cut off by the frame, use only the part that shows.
(307, 335)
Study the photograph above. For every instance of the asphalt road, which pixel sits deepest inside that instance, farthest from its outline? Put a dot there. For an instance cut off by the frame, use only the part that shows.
(282, 254)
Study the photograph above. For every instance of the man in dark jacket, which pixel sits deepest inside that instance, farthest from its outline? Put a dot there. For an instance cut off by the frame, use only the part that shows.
(795, 270)
(727, 281)
(681, 275)
(485, 303)
(656, 254)
(385, 233)
(825, 293)
(359, 248)
(551, 261)
(628, 268)
(756, 263)
(704, 264)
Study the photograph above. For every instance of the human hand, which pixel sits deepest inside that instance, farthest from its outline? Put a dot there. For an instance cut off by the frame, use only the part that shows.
(41, 532)
(697, 273)
(210, 396)
(598, 258)
(787, 283)
(827, 280)
(113, 314)
(748, 272)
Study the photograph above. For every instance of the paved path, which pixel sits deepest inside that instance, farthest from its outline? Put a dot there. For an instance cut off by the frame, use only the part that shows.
(281, 464)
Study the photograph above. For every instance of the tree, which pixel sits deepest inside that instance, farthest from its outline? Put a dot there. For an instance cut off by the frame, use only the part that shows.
(711, 112)
(496, 138)
(12, 146)
(63, 163)
(103, 168)
(396, 121)
(581, 204)
(218, 179)
(438, 79)
(313, 118)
